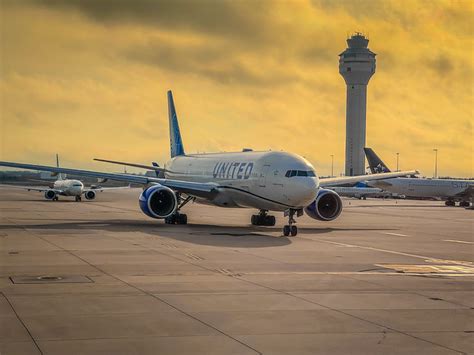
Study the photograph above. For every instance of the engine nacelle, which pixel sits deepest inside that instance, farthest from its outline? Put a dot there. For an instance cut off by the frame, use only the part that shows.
(158, 201)
(49, 194)
(90, 195)
(326, 207)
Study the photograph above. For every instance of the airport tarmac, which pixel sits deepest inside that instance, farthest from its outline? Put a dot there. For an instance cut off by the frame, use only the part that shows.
(99, 277)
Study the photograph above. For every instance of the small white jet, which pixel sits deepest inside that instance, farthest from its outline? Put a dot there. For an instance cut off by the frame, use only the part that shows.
(266, 181)
(66, 187)
(449, 190)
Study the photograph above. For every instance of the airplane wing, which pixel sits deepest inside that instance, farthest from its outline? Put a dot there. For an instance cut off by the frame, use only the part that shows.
(32, 188)
(108, 188)
(190, 188)
(143, 166)
(324, 182)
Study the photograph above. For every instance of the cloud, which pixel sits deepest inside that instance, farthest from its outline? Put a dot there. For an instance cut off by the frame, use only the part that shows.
(442, 64)
(208, 61)
(220, 18)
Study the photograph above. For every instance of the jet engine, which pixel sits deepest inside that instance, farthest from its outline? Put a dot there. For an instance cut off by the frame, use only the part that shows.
(49, 194)
(158, 201)
(326, 207)
(90, 195)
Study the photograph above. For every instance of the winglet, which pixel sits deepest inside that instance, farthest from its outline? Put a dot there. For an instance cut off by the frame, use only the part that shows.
(175, 135)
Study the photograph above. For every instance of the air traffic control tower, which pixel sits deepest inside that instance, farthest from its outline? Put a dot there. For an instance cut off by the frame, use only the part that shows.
(356, 65)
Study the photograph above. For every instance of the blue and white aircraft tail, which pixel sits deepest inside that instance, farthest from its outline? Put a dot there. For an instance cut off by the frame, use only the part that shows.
(376, 164)
(175, 135)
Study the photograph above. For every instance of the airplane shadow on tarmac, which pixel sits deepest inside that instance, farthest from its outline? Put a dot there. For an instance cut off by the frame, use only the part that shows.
(201, 234)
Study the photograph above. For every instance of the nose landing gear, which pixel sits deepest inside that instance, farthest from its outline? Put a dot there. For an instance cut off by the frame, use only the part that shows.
(78, 199)
(291, 229)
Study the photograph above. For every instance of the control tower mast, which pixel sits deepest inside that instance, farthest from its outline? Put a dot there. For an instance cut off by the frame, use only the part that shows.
(356, 65)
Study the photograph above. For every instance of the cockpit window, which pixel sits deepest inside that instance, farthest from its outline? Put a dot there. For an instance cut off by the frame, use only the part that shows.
(291, 173)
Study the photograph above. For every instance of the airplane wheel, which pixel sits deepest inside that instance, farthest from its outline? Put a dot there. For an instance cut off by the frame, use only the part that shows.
(293, 231)
(262, 220)
(464, 204)
(270, 220)
(78, 199)
(254, 220)
(171, 219)
(182, 219)
(286, 230)
(450, 203)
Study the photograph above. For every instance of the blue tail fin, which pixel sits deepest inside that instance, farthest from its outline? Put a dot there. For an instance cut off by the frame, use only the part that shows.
(376, 164)
(175, 136)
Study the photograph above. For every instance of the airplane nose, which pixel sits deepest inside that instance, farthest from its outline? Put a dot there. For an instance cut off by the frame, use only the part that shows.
(307, 191)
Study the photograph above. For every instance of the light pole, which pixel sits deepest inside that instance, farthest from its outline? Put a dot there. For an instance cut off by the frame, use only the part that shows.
(398, 154)
(332, 165)
(436, 162)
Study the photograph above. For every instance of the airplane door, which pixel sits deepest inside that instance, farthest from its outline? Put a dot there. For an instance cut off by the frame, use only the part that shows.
(262, 180)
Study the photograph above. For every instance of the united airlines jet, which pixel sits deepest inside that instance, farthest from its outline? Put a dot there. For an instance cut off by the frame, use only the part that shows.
(265, 181)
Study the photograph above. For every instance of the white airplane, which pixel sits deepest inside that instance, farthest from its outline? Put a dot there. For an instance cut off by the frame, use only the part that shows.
(266, 181)
(66, 187)
(449, 190)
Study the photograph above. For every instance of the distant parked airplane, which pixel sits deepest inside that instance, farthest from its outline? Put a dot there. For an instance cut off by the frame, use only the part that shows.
(449, 190)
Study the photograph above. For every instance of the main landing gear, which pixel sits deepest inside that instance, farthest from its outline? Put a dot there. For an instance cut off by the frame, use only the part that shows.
(291, 229)
(464, 204)
(450, 203)
(262, 219)
(78, 199)
(179, 218)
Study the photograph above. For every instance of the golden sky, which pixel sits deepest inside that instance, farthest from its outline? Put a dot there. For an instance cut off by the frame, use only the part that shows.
(88, 78)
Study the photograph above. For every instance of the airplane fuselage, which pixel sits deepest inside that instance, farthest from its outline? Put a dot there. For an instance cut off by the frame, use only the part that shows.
(274, 181)
(69, 187)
